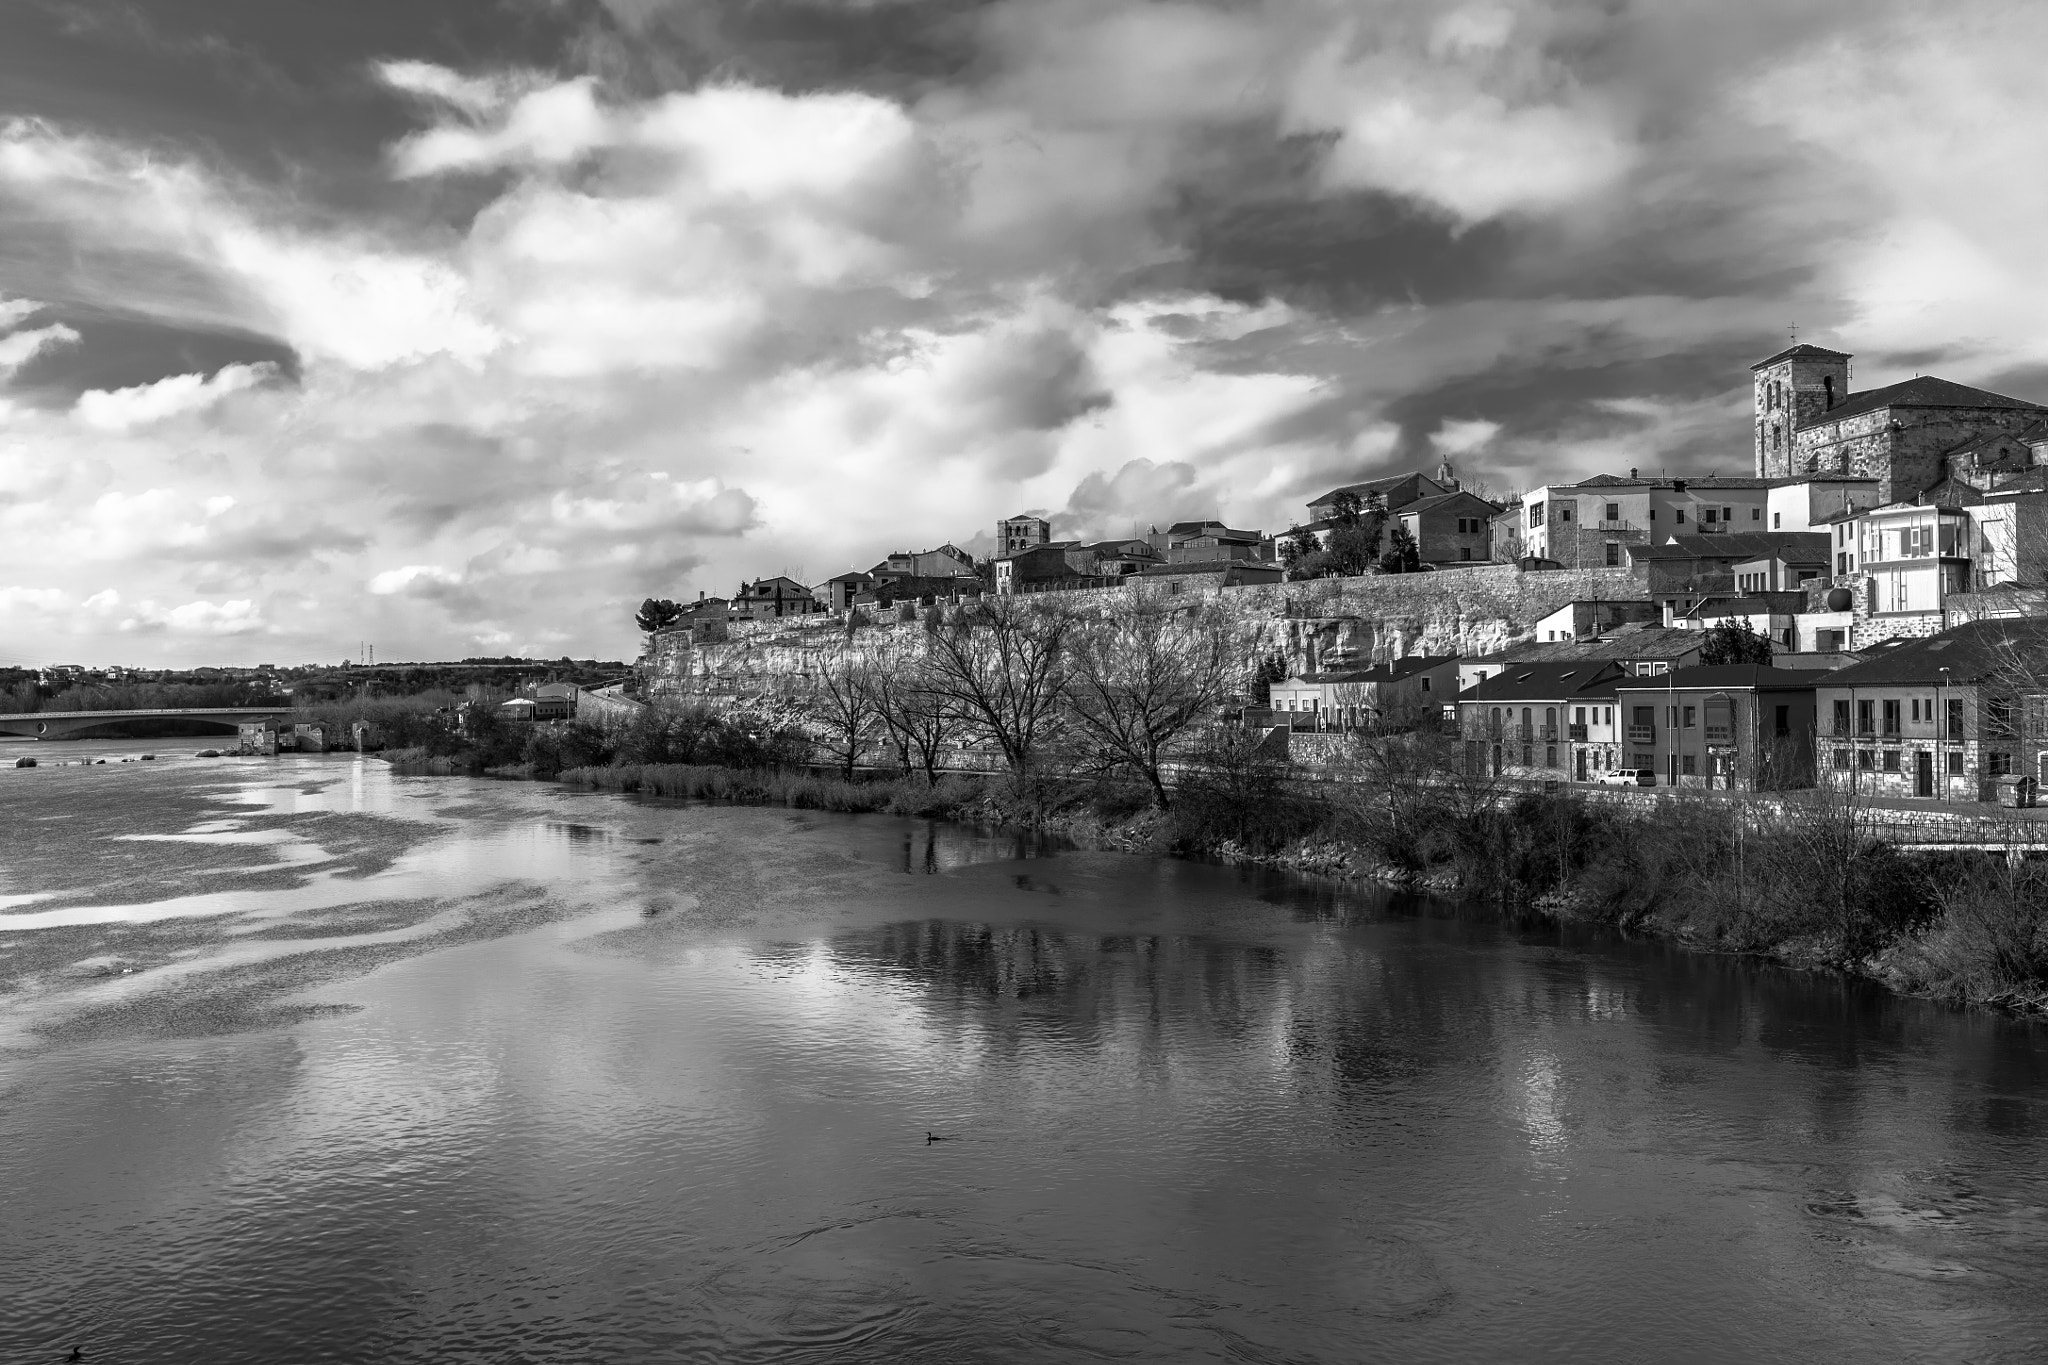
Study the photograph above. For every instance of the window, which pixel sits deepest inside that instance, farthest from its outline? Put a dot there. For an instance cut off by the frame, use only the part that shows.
(1777, 520)
(1891, 717)
(1564, 513)
(1465, 553)
(1866, 718)
(1610, 715)
(1535, 514)
(1865, 759)
(1757, 514)
(1841, 759)
(1425, 682)
(1709, 517)
(1578, 715)
(1997, 764)
(1777, 439)
(1614, 511)
(1689, 766)
(1916, 710)
(1550, 755)
(1955, 718)
(1841, 717)
(1679, 516)
(1689, 714)
(1653, 514)
(1783, 722)
(1891, 760)
(1613, 554)
(1955, 762)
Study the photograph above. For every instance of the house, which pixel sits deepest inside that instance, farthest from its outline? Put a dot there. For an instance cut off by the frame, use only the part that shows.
(838, 592)
(518, 709)
(1776, 616)
(556, 701)
(1940, 718)
(1449, 528)
(1599, 522)
(1017, 533)
(2011, 539)
(1804, 503)
(256, 737)
(1685, 568)
(1734, 726)
(1173, 580)
(1033, 568)
(766, 599)
(947, 561)
(1583, 620)
(1390, 493)
(1402, 691)
(1639, 649)
(1201, 542)
(1548, 720)
(1114, 558)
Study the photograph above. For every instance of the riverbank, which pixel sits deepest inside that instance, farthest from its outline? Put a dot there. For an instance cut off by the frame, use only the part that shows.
(1805, 889)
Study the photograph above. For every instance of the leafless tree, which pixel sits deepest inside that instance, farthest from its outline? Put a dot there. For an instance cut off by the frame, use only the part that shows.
(1143, 676)
(999, 665)
(841, 708)
(917, 718)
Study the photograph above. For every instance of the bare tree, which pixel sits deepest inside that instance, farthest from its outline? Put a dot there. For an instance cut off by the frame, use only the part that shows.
(1000, 666)
(1141, 678)
(842, 709)
(917, 718)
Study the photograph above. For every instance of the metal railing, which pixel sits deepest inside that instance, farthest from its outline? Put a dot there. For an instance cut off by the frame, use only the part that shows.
(1642, 734)
(1720, 734)
(1577, 732)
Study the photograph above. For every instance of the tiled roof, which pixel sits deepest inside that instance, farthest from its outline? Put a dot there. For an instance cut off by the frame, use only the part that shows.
(1926, 391)
(1968, 652)
(1543, 681)
(1637, 640)
(1435, 500)
(1799, 546)
(1802, 351)
(1734, 675)
(1672, 481)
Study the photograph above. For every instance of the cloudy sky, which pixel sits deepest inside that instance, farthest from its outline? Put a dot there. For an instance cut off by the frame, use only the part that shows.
(460, 326)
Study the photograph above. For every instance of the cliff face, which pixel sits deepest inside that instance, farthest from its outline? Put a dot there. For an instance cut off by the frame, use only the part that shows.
(1322, 624)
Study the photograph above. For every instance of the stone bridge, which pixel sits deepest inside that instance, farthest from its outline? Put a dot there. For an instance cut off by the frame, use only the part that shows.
(71, 724)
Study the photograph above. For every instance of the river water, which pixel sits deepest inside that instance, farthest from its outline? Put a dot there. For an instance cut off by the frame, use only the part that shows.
(301, 1061)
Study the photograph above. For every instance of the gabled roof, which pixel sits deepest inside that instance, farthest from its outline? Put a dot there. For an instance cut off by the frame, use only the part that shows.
(1633, 640)
(851, 576)
(1795, 546)
(1691, 481)
(1969, 653)
(1384, 484)
(1547, 681)
(1731, 675)
(1801, 351)
(1408, 667)
(1926, 391)
(1433, 501)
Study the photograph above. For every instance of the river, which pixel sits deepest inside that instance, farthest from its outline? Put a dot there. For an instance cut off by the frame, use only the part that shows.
(303, 1061)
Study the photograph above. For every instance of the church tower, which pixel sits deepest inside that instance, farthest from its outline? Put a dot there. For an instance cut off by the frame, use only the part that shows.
(1793, 388)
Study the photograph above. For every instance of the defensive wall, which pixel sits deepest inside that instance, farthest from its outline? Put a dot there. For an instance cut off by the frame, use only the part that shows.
(1316, 624)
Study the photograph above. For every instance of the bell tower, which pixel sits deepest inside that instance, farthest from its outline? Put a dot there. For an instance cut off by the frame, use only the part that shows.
(1793, 389)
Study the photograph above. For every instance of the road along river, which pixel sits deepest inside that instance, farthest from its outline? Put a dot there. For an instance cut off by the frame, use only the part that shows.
(301, 1061)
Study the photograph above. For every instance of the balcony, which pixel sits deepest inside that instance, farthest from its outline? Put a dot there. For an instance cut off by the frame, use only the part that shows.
(1642, 734)
(1577, 733)
(1720, 734)
(1615, 524)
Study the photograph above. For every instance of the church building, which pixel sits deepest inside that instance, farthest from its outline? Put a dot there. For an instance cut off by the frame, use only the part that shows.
(1908, 436)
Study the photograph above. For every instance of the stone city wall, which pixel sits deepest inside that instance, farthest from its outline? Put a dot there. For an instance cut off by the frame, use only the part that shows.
(1319, 624)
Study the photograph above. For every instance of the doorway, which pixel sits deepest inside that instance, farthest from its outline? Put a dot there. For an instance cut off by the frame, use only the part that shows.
(1923, 773)
(1582, 765)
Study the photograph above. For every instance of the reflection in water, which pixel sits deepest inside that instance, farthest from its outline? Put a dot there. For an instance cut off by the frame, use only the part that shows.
(514, 1073)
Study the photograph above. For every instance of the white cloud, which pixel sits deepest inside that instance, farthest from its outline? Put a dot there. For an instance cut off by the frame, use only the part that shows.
(18, 348)
(178, 395)
(411, 577)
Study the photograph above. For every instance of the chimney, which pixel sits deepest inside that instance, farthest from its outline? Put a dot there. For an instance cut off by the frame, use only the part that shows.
(1631, 471)
(700, 594)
